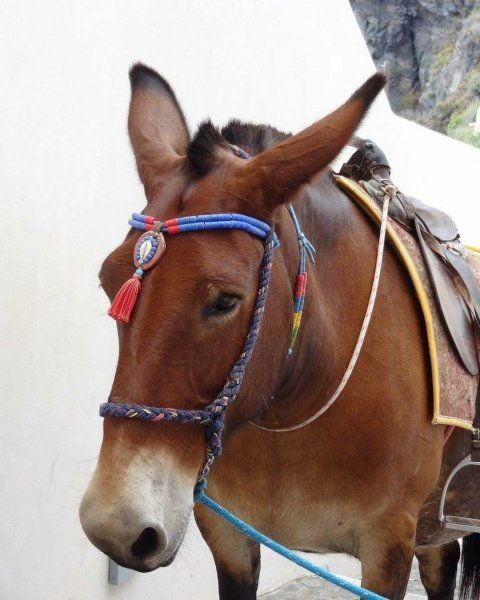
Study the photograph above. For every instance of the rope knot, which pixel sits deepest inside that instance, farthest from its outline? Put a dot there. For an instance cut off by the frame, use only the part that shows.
(390, 190)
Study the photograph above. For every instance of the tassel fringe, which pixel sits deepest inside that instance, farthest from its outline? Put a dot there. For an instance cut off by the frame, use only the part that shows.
(124, 301)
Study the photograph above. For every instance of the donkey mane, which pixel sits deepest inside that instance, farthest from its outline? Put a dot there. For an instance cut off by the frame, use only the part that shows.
(251, 138)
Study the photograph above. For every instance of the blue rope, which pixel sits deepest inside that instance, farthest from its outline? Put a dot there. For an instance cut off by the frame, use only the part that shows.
(303, 242)
(282, 550)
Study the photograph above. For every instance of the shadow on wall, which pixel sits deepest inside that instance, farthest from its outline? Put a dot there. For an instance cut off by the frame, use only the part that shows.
(431, 51)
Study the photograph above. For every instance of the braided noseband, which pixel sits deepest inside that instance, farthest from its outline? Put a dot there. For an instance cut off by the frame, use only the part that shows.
(213, 415)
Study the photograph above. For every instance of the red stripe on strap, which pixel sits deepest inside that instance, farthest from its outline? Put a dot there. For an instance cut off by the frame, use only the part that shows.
(300, 285)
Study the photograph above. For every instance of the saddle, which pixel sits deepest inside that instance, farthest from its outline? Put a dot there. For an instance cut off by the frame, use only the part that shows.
(456, 289)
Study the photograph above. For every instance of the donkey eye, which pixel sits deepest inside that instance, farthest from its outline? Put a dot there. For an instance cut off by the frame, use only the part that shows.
(225, 303)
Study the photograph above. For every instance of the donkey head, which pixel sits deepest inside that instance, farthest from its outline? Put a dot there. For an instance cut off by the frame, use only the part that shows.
(190, 321)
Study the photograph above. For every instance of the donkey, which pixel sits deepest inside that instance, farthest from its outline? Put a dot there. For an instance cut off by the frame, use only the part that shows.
(364, 479)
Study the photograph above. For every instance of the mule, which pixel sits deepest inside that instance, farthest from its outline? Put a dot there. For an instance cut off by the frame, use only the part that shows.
(364, 479)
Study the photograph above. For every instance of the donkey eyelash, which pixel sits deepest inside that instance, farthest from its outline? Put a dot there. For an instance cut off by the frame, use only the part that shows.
(223, 305)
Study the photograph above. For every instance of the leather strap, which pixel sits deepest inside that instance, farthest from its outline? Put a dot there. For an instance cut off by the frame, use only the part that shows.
(455, 308)
(459, 268)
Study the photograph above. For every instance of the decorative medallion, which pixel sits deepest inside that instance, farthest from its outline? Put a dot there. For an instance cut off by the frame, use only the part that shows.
(148, 250)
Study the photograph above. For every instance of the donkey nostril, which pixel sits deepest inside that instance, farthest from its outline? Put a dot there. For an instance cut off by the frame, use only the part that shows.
(148, 542)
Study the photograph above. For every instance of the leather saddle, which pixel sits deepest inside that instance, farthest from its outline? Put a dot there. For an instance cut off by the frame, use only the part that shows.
(455, 287)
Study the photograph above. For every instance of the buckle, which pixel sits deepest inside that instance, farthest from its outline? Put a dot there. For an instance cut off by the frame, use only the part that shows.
(476, 436)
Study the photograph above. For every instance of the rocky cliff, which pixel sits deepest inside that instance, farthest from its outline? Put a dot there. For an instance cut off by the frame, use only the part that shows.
(432, 53)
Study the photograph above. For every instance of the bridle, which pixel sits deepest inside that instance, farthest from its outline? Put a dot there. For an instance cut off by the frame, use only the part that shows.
(148, 250)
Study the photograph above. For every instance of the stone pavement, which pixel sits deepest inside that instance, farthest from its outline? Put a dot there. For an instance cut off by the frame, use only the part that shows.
(315, 588)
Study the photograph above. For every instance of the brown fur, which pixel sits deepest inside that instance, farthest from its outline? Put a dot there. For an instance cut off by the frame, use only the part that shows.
(355, 480)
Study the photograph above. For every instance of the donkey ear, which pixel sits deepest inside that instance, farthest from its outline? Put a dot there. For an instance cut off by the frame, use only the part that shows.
(156, 125)
(280, 170)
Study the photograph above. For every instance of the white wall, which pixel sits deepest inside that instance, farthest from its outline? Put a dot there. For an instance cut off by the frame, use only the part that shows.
(68, 186)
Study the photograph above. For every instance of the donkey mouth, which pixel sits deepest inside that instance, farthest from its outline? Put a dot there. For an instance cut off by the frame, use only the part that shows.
(171, 558)
(148, 564)
(143, 566)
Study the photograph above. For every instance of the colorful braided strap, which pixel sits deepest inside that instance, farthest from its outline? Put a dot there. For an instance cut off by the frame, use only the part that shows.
(212, 415)
(306, 251)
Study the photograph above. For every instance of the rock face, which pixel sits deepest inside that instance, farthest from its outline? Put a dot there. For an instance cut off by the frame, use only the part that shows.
(432, 52)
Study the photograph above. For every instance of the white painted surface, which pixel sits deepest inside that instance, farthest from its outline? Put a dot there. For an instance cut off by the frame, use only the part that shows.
(68, 186)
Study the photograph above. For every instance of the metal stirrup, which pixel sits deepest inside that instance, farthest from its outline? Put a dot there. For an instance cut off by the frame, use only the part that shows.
(456, 522)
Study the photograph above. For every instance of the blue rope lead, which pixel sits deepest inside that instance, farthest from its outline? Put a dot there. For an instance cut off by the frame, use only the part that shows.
(279, 549)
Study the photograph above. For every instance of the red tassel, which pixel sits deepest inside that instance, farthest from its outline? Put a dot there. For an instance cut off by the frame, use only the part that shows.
(125, 299)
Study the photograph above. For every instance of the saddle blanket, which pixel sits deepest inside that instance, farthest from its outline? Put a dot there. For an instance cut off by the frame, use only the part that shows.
(454, 390)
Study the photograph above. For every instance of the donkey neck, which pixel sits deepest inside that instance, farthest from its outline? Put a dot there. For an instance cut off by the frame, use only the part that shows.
(338, 289)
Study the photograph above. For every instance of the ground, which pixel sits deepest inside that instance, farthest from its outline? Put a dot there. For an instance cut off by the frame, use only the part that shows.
(314, 588)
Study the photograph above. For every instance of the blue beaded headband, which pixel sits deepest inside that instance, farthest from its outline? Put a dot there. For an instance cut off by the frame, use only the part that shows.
(202, 223)
(151, 245)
